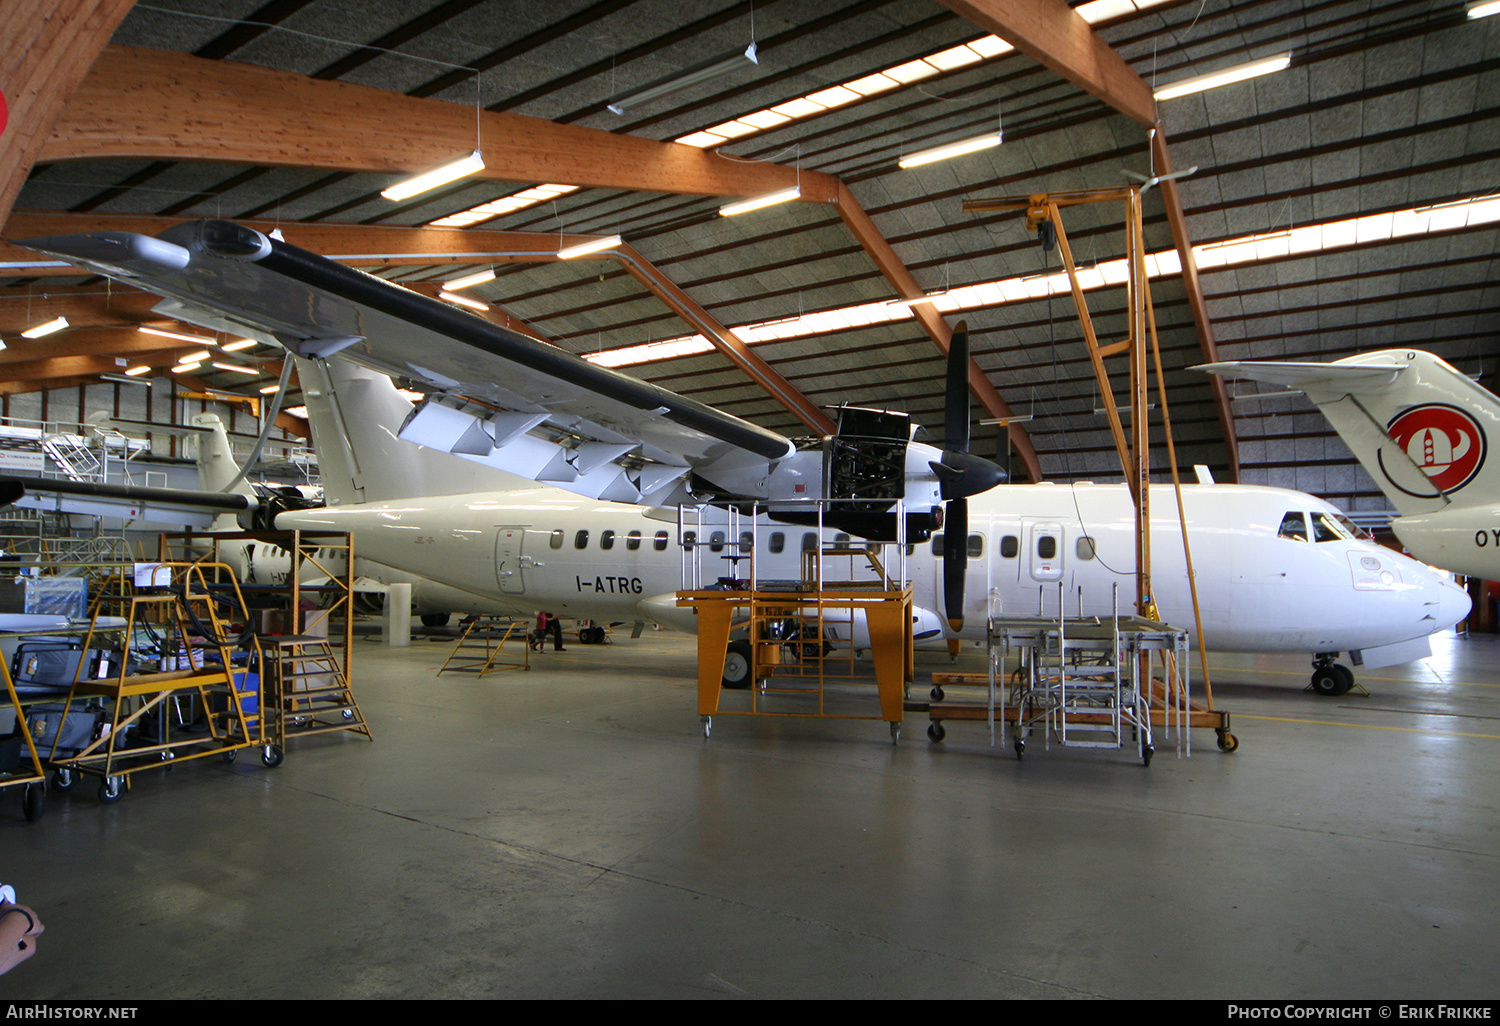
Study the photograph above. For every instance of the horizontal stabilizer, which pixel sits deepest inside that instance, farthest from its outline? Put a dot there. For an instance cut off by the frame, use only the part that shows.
(1350, 377)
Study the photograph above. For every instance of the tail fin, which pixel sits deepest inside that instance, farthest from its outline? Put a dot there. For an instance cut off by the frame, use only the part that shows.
(355, 414)
(1419, 426)
(216, 465)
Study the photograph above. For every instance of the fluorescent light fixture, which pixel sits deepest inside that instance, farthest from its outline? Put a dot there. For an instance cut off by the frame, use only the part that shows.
(236, 368)
(698, 73)
(122, 379)
(769, 200)
(46, 329)
(137, 371)
(177, 334)
(197, 357)
(478, 278)
(183, 368)
(504, 205)
(432, 179)
(1239, 73)
(472, 304)
(593, 246)
(269, 389)
(917, 301)
(244, 343)
(957, 149)
(1484, 10)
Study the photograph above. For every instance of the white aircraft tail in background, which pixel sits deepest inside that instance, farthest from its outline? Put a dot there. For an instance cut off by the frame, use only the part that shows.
(1422, 429)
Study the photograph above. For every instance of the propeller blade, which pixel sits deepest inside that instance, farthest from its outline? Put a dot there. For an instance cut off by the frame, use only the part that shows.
(955, 560)
(956, 392)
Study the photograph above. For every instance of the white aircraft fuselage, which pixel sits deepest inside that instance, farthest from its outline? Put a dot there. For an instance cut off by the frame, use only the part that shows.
(1262, 588)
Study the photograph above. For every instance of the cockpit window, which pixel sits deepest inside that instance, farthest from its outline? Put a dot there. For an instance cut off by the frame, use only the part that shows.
(1294, 526)
(1325, 528)
(1352, 529)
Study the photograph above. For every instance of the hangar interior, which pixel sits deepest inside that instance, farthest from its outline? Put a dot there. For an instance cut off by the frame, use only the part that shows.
(569, 831)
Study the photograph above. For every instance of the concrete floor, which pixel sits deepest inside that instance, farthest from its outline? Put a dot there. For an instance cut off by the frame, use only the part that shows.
(568, 832)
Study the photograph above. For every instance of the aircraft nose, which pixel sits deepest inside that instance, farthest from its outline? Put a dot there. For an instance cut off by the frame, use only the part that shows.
(1453, 602)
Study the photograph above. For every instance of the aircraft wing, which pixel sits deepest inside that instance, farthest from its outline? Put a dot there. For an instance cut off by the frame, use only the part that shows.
(1320, 377)
(494, 395)
(174, 508)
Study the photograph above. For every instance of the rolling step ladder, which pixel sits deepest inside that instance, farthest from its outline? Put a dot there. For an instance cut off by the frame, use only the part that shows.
(311, 689)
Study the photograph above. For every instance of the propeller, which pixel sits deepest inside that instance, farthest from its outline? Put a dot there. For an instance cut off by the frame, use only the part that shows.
(960, 475)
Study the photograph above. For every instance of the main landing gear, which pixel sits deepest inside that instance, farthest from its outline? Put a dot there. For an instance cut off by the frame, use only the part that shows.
(1330, 678)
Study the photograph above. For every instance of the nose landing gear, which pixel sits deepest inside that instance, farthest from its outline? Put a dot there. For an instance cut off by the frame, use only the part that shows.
(1329, 678)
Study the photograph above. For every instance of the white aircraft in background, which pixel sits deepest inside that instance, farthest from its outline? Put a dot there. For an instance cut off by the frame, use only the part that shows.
(1422, 429)
(430, 490)
(258, 562)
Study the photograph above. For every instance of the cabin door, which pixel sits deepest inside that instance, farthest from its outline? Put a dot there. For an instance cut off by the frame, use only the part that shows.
(509, 563)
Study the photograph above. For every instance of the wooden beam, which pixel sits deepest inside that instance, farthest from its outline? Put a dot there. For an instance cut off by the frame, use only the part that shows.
(726, 342)
(163, 105)
(1172, 201)
(46, 49)
(895, 272)
(100, 342)
(85, 306)
(69, 367)
(1055, 36)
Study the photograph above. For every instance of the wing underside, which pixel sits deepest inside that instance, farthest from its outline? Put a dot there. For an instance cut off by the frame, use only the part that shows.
(494, 396)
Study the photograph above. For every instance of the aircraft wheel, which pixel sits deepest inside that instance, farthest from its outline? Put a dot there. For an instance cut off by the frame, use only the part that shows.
(34, 801)
(737, 665)
(435, 619)
(936, 731)
(1330, 682)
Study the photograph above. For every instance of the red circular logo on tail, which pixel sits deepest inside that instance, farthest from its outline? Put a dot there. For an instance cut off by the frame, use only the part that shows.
(1444, 441)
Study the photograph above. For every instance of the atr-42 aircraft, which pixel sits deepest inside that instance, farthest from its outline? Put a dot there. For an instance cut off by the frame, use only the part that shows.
(1422, 429)
(606, 455)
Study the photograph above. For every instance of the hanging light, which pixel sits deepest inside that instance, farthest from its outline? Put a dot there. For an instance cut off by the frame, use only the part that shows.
(199, 339)
(472, 304)
(593, 246)
(432, 179)
(1238, 73)
(477, 278)
(770, 200)
(957, 149)
(57, 324)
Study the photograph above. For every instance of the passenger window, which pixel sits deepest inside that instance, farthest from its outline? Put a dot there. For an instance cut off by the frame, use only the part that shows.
(716, 542)
(1010, 546)
(1085, 547)
(747, 541)
(688, 538)
(937, 545)
(1293, 526)
(1046, 546)
(976, 546)
(633, 540)
(660, 542)
(809, 541)
(607, 540)
(778, 541)
(581, 540)
(556, 540)
(1324, 528)
(841, 538)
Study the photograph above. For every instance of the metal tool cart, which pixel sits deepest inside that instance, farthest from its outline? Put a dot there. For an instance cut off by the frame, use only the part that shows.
(20, 763)
(179, 671)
